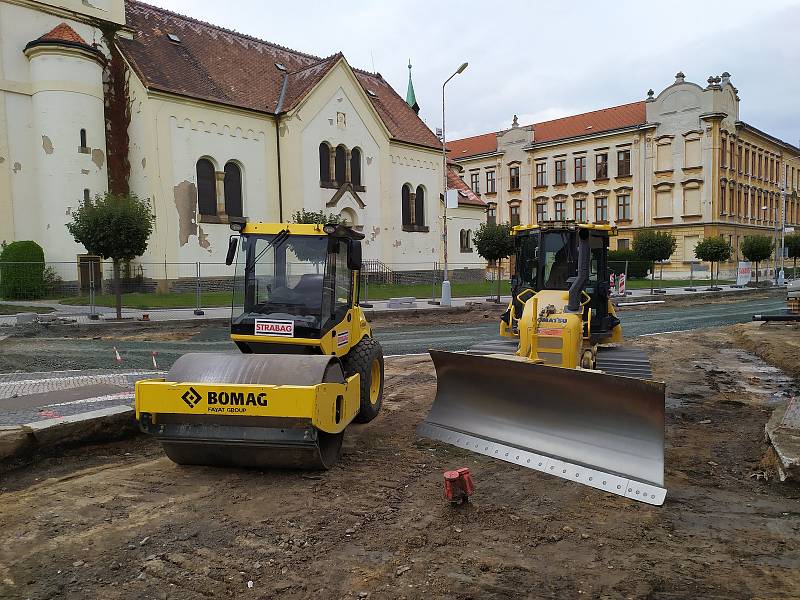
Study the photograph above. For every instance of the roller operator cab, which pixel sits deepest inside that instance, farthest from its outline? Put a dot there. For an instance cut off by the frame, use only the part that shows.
(309, 365)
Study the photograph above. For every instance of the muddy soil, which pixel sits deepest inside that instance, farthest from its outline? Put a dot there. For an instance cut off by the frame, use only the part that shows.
(775, 342)
(122, 522)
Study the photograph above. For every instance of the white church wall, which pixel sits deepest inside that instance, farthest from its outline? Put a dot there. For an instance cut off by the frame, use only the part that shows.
(168, 137)
(336, 113)
(467, 218)
(418, 167)
(47, 98)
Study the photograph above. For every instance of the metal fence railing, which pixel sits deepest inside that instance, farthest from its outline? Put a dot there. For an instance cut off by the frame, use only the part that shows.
(87, 286)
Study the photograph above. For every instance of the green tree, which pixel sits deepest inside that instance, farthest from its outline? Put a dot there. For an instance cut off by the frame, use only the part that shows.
(113, 226)
(713, 250)
(654, 246)
(312, 253)
(319, 217)
(792, 243)
(637, 268)
(22, 270)
(494, 243)
(756, 248)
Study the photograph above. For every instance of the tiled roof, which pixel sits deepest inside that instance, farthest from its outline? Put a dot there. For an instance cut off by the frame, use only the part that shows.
(63, 33)
(465, 194)
(596, 121)
(471, 146)
(216, 64)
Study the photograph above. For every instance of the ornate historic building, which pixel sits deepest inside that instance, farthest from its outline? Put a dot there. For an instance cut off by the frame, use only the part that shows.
(680, 160)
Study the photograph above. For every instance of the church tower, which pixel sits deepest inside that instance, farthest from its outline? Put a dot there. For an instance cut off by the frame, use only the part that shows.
(411, 98)
(68, 120)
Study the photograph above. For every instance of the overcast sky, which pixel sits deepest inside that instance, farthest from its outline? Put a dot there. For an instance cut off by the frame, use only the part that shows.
(542, 60)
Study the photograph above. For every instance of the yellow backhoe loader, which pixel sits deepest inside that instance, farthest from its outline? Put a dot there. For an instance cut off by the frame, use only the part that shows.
(308, 367)
(557, 393)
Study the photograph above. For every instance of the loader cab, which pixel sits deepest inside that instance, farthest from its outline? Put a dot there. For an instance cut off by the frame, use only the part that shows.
(293, 282)
(546, 258)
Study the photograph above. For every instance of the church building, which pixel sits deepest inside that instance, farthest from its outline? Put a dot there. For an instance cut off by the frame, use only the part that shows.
(205, 123)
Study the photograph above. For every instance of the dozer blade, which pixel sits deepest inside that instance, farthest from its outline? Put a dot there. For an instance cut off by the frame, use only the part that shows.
(256, 410)
(604, 431)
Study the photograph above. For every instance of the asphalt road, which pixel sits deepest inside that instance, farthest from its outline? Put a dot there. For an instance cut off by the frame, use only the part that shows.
(99, 381)
(411, 340)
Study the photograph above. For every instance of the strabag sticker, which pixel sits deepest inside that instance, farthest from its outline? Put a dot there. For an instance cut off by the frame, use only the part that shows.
(342, 339)
(274, 328)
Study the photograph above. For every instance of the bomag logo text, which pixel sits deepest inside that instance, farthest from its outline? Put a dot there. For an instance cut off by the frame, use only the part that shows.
(236, 399)
(553, 320)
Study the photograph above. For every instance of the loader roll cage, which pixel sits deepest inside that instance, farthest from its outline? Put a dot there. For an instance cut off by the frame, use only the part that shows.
(310, 280)
(547, 259)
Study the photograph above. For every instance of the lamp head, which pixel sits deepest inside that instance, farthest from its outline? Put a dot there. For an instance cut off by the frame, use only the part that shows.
(462, 67)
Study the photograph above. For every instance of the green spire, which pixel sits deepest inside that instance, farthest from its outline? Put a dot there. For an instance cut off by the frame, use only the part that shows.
(411, 98)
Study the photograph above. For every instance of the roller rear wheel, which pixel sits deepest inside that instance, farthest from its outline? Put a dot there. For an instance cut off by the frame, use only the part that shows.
(366, 359)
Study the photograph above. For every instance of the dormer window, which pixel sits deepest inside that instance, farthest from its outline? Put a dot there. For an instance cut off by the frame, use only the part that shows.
(280, 66)
(173, 38)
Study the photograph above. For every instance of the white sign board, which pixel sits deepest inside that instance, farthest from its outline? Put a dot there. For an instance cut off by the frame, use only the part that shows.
(744, 273)
(452, 199)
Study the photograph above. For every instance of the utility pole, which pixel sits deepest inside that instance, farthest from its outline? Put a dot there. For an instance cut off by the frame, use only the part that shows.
(780, 278)
(446, 296)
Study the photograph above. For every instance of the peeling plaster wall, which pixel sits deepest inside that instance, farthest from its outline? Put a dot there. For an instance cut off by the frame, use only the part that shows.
(168, 136)
(406, 164)
(58, 116)
(44, 102)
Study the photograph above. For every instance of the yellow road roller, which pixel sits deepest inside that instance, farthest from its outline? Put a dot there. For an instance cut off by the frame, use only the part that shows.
(308, 366)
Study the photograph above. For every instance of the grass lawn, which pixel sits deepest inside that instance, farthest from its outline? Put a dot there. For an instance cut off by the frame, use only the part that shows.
(644, 284)
(143, 301)
(12, 309)
(459, 289)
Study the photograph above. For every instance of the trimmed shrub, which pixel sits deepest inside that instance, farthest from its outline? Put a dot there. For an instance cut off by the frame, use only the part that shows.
(22, 281)
(637, 268)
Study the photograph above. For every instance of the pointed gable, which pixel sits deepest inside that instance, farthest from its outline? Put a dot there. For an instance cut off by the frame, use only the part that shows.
(184, 56)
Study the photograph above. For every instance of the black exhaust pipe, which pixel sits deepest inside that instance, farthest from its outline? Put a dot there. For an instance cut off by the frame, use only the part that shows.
(584, 266)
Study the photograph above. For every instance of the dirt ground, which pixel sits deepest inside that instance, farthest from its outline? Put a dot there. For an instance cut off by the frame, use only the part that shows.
(122, 522)
(775, 342)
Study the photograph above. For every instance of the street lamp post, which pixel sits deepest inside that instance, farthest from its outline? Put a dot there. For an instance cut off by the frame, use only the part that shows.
(446, 296)
(779, 279)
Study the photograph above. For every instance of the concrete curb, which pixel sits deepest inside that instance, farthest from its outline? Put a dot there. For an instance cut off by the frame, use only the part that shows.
(677, 299)
(115, 422)
(783, 433)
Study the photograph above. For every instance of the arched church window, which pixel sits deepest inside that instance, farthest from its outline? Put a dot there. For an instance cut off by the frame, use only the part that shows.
(233, 189)
(419, 207)
(83, 139)
(324, 163)
(406, 200)
(206, 187)
(341, 164)
(355, 166)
